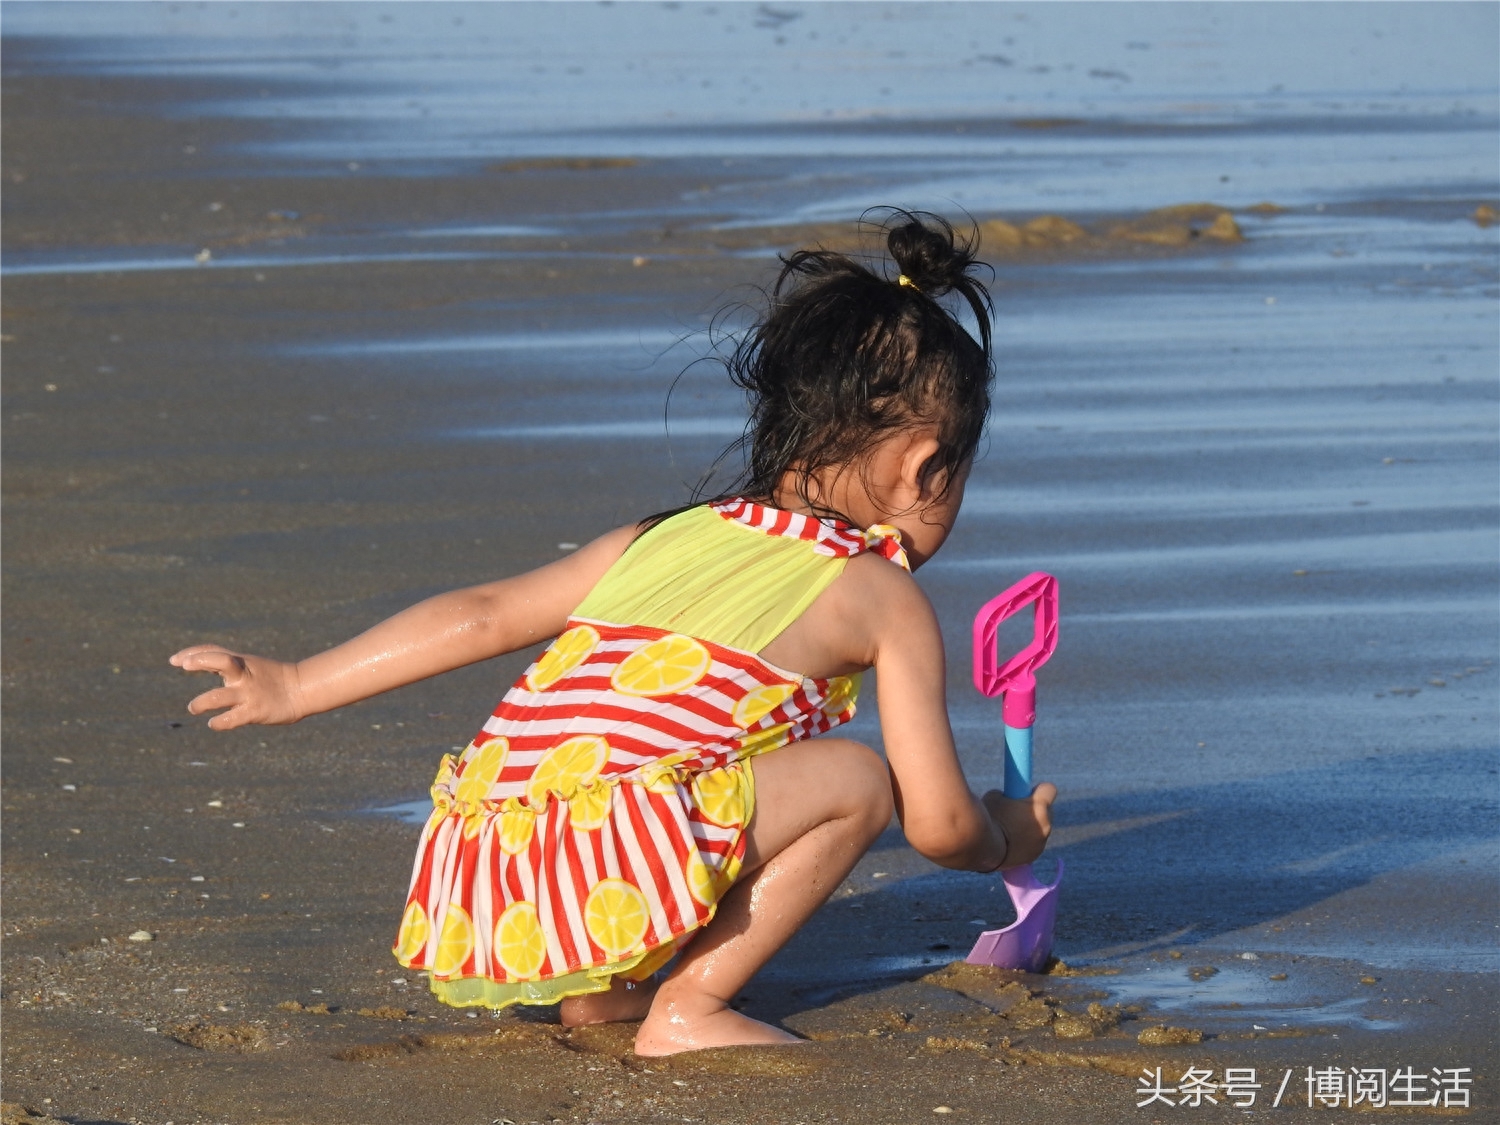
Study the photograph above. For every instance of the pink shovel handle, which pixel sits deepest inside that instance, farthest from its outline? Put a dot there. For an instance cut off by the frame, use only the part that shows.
(1016, 677)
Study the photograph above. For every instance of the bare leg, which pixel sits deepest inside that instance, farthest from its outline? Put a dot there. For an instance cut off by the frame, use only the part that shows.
(625, 1000)
(819, 806)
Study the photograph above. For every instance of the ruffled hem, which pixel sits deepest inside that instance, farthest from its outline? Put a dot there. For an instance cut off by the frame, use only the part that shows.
(485, 992)
(482, 992)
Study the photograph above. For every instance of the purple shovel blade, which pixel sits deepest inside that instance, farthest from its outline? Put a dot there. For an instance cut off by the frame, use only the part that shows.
(1027, 942)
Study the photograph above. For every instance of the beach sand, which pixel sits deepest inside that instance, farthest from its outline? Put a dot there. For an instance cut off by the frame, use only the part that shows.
(175, 474)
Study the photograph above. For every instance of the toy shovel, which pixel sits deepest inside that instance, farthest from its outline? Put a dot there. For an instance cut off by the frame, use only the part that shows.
(1027, 942)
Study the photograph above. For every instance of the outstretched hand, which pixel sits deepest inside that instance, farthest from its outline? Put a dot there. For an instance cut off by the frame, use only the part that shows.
(255, 690)
(1026, 823)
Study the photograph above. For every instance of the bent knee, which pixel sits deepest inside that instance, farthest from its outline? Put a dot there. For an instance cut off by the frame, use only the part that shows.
(864, 784)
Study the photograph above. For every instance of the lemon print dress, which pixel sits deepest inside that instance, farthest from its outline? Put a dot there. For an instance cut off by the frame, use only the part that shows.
(594, 822)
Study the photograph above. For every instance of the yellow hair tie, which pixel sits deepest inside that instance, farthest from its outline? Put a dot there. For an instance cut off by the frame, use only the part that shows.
(907, 282)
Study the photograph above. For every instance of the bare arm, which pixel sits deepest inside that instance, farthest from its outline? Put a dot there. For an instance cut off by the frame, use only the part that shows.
(941, 817)
(437, 635)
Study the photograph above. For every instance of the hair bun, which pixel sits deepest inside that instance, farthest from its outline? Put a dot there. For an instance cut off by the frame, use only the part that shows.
(927, 252)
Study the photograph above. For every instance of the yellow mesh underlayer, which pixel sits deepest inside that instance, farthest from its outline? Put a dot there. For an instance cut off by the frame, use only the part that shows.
(712, 578)
(482, 992)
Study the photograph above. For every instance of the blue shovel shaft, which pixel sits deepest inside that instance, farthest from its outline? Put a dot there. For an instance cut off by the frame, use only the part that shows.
(1018, 762)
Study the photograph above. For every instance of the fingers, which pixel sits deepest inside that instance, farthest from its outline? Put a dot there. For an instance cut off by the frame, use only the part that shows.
(234, 717)
(1026, 823)
(213, 700)
(1041, 799)
(208, 658)
(253, 688)
(238, 713)
(1041, 803)
(177, 658)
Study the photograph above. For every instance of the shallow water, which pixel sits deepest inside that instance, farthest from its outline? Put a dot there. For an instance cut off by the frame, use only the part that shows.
(1265, 477)
(427, 79)
(1252, 999)
(412, 812)
(44, 264)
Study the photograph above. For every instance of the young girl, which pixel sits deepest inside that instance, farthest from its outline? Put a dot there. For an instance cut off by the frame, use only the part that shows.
(653, 777)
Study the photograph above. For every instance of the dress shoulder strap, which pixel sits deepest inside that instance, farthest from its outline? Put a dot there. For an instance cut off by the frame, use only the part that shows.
(829, 537)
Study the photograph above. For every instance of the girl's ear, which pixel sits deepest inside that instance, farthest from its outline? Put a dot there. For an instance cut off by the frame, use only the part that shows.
(932, 476)
(920, 477)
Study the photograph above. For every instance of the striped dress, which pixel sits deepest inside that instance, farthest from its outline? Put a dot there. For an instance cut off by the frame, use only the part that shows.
(592, 825)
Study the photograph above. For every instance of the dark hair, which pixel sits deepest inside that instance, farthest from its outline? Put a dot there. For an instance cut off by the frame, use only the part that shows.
(844, 356)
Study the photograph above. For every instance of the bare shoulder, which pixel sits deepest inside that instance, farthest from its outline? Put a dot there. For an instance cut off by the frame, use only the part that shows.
(871, 605)
(890, 599)
(575, 574)
(597, 556)
(888, 586)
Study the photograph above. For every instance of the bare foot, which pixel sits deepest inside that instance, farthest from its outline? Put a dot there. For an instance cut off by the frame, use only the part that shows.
(625, 1000)
(691, 1023)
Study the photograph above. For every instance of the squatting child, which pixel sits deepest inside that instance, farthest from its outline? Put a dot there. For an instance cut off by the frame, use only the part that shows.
(662, 782)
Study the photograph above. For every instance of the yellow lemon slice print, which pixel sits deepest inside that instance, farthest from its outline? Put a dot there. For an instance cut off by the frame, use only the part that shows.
(589, 806)
(519, 941)
(456, 942)
(720, 796)
(567, 766)
(757, 704)
(841, 692)
(517, 823)
(487, 760)
(616, 916)
(482, 766)
(664, 667)
(705, 882)
(772, 738)
(566, 653)
(413, 937)
(658, 776)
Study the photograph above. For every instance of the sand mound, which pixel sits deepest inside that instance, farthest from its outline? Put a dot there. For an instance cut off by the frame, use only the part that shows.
(1182, 226)
(234, 1038)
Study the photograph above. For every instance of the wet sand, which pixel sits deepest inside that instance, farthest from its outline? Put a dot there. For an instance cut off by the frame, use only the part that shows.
(274, 452)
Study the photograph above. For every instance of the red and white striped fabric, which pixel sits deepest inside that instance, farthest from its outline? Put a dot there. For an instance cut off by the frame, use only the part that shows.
(829, 537)
(599, 814)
